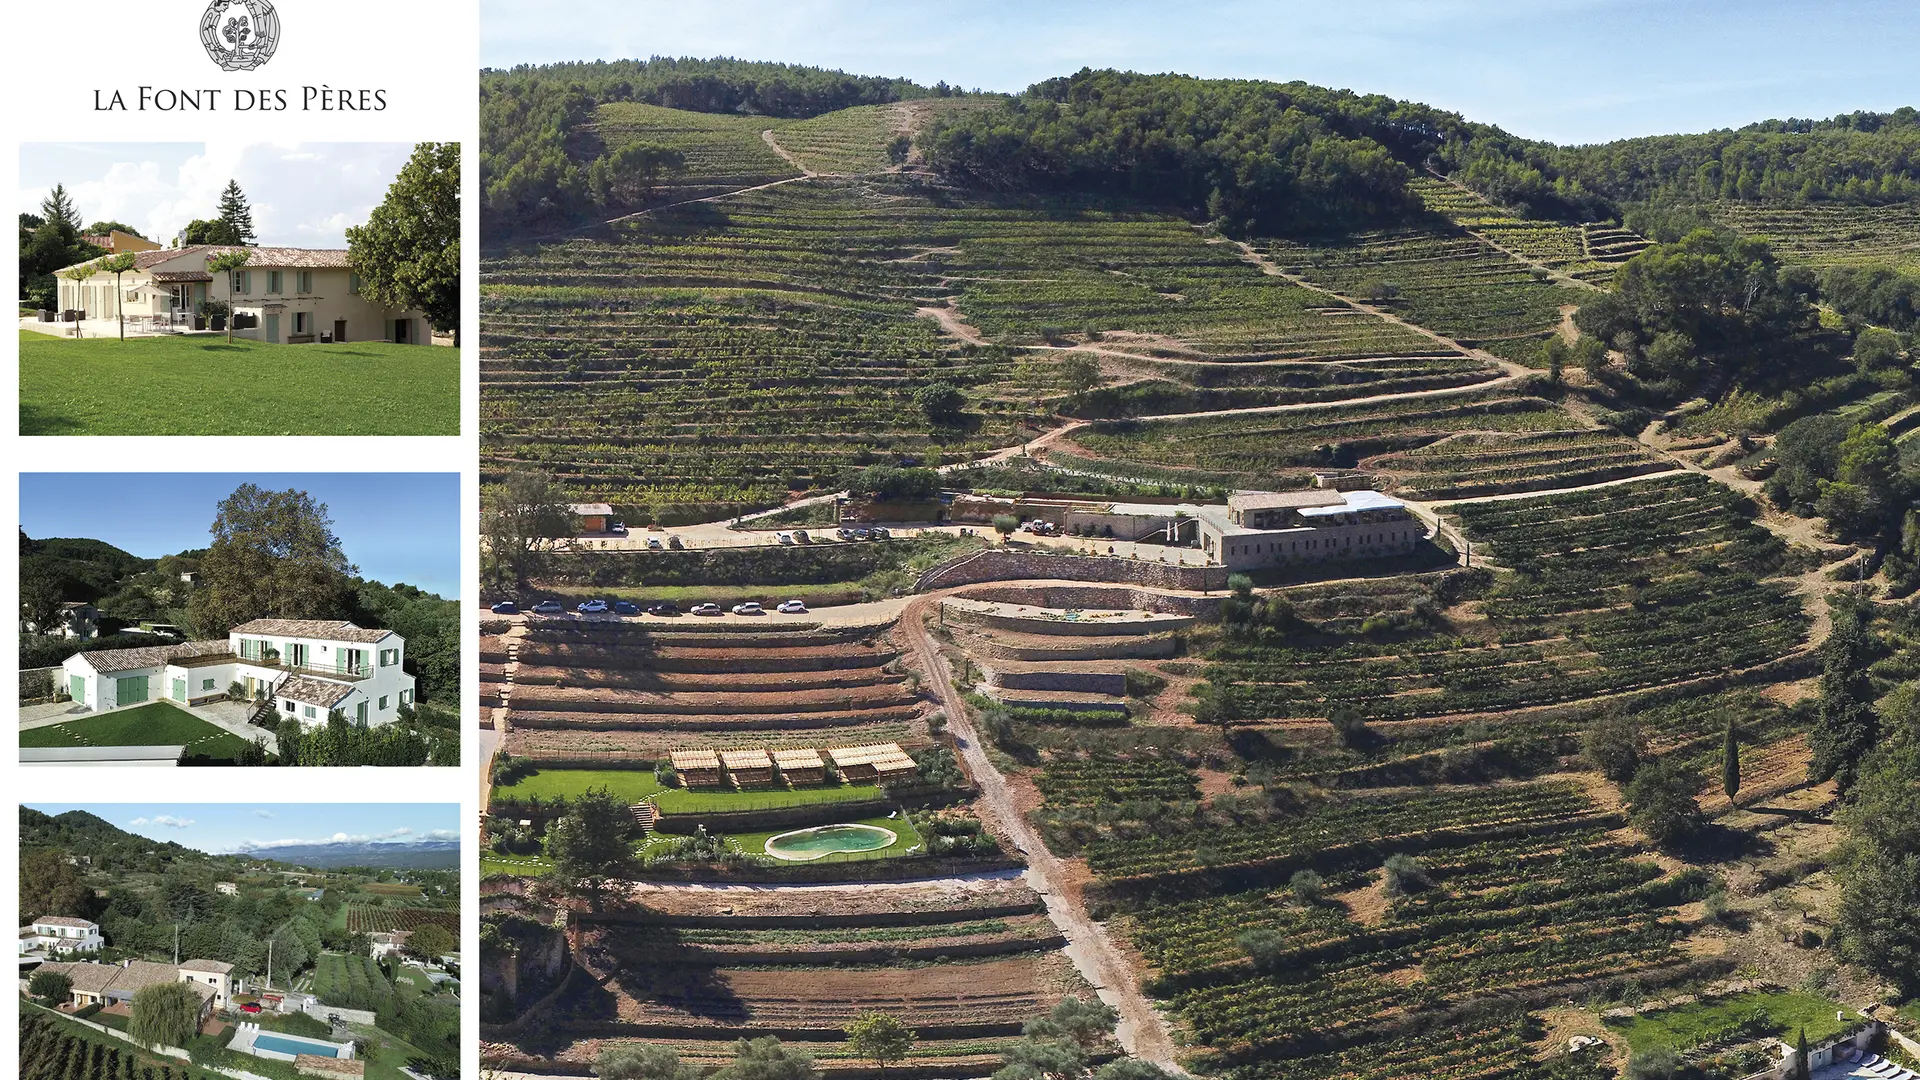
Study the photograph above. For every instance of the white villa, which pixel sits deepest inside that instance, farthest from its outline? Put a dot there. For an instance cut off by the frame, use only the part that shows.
(1276, 528)
(290, 295)
(305, 667)
(50, 934)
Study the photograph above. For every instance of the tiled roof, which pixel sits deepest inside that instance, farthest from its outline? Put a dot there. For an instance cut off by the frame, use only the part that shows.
(218, 967)
(143, 973)
(61, 920)
(328, 629)
(110, 660)
(269, 257)
(86, 978)
(168, 277)
(311, 691)
(1278, 500)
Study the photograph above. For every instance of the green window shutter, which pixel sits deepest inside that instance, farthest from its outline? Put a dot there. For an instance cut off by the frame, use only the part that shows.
(77, 688)
(361, 712)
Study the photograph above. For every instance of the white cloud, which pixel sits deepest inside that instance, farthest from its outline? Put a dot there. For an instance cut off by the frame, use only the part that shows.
(168, 820)
(263, 813)
(302, 195)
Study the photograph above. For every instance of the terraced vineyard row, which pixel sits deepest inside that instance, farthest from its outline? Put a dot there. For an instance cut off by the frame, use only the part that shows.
(1473, 464)
(1445, 280)
(1195, 387)
(1613, 589)
(1589, 252)
(1257, 450)
(1831, 235)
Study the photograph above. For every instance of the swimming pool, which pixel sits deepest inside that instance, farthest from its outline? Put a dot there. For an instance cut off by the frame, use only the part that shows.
(293, 1044)
(805, 845)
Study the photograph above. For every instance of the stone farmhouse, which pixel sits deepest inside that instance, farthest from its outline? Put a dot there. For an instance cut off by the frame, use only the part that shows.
(109, 984)
(283, 295)
(304, 668)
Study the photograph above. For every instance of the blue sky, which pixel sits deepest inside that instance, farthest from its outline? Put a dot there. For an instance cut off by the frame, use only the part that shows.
(1567, 70)
(302, 194)
(224, 828)
(394, 526)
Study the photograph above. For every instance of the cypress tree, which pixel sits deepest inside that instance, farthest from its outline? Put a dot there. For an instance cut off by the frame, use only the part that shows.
(1730, 763)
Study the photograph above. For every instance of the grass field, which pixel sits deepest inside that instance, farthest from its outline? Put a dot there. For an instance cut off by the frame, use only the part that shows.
(154, 724)
(205, 386)
(1683, 1028)
(634, 785)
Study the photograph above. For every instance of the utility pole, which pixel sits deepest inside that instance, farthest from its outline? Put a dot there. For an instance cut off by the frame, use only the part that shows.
(269, 963)
(176, 944)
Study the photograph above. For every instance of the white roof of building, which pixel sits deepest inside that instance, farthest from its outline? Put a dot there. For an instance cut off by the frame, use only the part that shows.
(1283, 500)
(1355, 500)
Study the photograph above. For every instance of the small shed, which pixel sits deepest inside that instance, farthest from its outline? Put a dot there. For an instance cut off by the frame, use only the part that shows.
(748, 768)
(593, 517)
(697, 768)
(801, 766)
(874, 761)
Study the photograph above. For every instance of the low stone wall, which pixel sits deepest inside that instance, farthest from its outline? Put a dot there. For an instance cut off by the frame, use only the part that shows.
(1081, 682)
(352, 1016)
(1143, 647)
(1097, 597)
(1056, 627)
(1003, 565)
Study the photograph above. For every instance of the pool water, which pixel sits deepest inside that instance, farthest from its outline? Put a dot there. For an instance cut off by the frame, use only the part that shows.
(805, 844)
(291, 1044)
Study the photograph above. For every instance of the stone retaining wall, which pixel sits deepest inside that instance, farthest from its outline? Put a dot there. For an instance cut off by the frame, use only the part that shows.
(1097, 597)
(1003, 565)
(1082, 682)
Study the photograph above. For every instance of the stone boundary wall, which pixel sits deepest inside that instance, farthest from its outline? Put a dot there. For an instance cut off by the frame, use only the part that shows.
(352, 1016)
(1002, 565)
(1097, 597)
(1066, 628)
(1079, 682)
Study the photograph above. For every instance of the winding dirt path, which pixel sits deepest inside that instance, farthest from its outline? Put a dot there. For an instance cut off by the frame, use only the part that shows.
(786, 155)
(1141, 1030)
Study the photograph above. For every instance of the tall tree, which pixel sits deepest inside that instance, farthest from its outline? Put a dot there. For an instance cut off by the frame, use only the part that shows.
(1845, 727)
(588, 846)
(521, 519)
(49, 885)
(408, 252)
(164, 1014)
(58, 209)
(1730, 763)
(274, 555)
(204, 231)
(118, 265)
(236, 215)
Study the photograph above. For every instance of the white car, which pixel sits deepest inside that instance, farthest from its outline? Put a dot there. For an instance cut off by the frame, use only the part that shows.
(792, 607)
(785, 538)
(751, 607)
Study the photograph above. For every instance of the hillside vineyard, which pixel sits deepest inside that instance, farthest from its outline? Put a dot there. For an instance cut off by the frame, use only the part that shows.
(1430, 605)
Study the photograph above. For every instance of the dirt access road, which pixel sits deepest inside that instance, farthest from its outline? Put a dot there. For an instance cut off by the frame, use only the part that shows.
(1141, 1029)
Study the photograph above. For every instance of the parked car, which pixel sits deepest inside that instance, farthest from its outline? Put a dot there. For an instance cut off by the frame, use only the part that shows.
(592, 607)
(751, 607)
(706, 609)
(625, 607)
(800, 537)
(549, 607)
(674, 543)
(653, 543)
(664, 608)
(249, 1006)
(784, 538)
(863, 534)
(792, 607)
(618, 528)
(880, 533)
(506, 607)
(843, 533)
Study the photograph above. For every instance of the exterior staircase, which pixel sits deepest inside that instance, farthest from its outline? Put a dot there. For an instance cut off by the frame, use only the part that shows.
(644, 815)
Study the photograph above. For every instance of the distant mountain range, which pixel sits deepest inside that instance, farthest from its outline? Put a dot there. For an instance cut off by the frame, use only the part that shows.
(418, 855)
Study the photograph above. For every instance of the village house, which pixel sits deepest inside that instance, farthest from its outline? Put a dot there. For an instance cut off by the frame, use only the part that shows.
(51, 934)
(305, 667)
(76, 620)
(115, 984)
(118, 242)
(283, 295)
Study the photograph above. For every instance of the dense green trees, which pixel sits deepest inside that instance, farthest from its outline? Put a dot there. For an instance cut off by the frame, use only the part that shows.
(642, 1061)
(588, 846)
(274, 555)
(1254, 156)
(1880, 879)
(519, 520)
(1660, 801)
(50, 240)
(1845, 727)
(408, 252)
(164, 1014)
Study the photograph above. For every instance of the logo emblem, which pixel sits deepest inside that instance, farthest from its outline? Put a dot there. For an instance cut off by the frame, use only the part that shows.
(240, 35)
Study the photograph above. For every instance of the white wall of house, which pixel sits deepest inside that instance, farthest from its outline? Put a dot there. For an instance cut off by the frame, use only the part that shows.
(102, 692)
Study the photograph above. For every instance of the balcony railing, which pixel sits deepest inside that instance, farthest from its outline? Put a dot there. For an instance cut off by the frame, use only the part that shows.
(216, 659)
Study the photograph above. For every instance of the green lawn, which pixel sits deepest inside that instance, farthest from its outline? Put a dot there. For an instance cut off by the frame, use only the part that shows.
(1682, 1028)
(153, 724)
(515, 865)
(635, 785)
(205, 386)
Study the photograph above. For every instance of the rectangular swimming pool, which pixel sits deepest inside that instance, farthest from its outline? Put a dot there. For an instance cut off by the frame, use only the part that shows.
(293, 1044)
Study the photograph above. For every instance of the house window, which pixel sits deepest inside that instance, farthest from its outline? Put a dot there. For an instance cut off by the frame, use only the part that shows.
(360, 712)
(406, 697)
(389, 657)
(306, 281)
(206, 684)
(353, 284)
(383, 703)
(306, 711)
(244, 282)
(301, 323)
(288, 705)
(273, 281)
